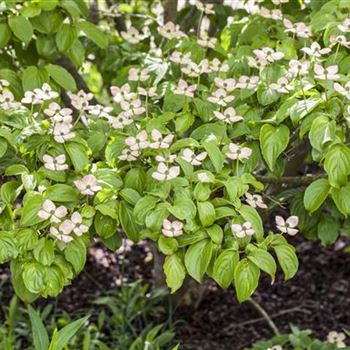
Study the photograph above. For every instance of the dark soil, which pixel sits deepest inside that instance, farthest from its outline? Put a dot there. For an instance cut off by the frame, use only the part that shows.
(318, 298)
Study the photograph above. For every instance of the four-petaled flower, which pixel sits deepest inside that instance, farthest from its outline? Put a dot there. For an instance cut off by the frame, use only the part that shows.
(158, 141)
(88, 185)
(50, 211)
(63, 232)
(243, 230)
(329, 73)
(229, 116)
(136, 74)
(345, 91)
(288, 226)
(238, 152)
(255, 200)
(172, 229)
(77, 224)
(282, 86)
(184, 89)
(337, 338)
(315, 50)
(190, 157)
(55, 163)
(164, 173)
(137, 142)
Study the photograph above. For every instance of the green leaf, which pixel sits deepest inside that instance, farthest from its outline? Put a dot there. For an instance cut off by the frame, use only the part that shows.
(206, 213)
(34, 277)
(105, 226)
(315, 194)
(235, 187)
(215, 233)
(183, 209)
(202, 191)
(22, 28)
(154, 220)
(287, 259)
(224, 267)
(54, 281)
(183, 122)
(9, 191)
(8, 249)
(197, 259)
(303, 107)
(263, 260)
(65, 37)
(136, 179)
(62, 337)
(77, 53)
(40, 335)
(328, 229)
(75, 8)
(143, 207)
(191, 238)
(246, 279)
(113, 243)
(32, 205)
(175, 272)
(341, 198)
(62, 193)
(93, 33)
(127, 221)
(267, 96)
(16, 88)
(27, 239)
(3, 146)
(33, 78)
(16, 169)
(5, 34)
(130, 195)
(63, 78)
(322, 131)
(167, 245)
(337, 164)
(18, 284)
(251, 215)
(75, 253)
(173, 103)
(44, 252)
(208, 131)
(215, 155)
(78, 155)
(273, 141)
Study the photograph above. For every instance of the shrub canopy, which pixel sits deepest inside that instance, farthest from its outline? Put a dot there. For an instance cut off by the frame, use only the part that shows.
(194, 133)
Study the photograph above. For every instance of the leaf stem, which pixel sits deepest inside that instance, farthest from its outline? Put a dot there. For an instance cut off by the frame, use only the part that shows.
(265, 315)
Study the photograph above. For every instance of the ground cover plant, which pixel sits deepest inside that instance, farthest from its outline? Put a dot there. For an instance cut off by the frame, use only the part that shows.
(214, 130)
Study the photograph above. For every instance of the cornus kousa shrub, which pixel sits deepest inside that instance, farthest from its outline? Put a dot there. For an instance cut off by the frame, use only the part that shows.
(202, 128)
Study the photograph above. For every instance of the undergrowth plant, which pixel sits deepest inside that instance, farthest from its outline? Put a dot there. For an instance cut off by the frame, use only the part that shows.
(123, 319)
(205, 123)
(302, 340)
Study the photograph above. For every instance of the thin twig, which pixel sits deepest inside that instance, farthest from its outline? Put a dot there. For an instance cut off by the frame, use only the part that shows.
(260, 319)
(265, 315)
(290, 180)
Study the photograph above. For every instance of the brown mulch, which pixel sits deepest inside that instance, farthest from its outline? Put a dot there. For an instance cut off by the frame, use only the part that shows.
(318, 298)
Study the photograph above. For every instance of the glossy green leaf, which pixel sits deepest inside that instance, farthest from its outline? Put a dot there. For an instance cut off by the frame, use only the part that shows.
(315, 194)
(224, 267)
(197, 258)
(246, 279)
(175, 272)
(273, 141)
(21, 28)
